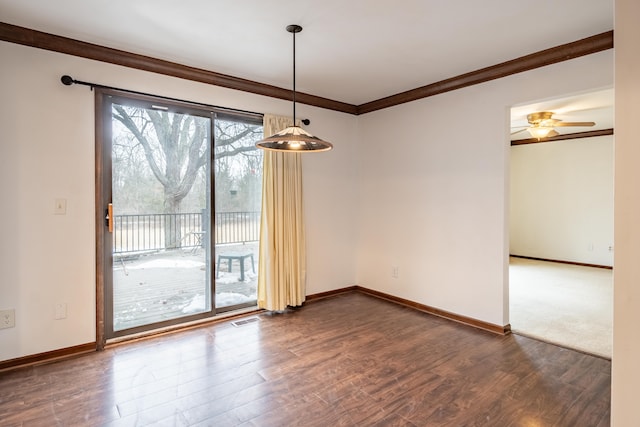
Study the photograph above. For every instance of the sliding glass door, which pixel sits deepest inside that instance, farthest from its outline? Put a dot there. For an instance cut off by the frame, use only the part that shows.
(181, 199)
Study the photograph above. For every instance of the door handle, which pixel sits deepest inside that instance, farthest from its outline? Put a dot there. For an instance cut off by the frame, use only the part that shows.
(109, 217)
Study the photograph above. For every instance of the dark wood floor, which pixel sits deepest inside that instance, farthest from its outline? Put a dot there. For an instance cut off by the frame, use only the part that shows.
(350, 360)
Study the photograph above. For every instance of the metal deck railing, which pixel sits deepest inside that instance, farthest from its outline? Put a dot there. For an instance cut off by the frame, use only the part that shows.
(153, 232)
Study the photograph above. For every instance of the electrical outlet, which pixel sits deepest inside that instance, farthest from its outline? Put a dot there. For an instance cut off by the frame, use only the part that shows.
(60, 207)
(395, 271)
(7, 319)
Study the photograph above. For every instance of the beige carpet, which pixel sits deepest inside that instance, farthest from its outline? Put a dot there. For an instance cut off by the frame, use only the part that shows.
(568, 305)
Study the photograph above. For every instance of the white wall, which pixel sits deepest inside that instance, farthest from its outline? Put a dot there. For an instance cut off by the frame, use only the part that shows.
(562, 200)
(47, 152)
(330, 195)
(434, 189)
(626, 272)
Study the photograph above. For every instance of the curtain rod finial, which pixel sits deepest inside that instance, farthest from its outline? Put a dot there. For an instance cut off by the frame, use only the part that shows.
(67, 80)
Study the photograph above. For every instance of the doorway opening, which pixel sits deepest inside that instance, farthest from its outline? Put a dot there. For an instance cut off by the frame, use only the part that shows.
(561, 225)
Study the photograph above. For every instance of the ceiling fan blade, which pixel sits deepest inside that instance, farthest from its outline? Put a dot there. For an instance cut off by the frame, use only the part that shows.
(583, 124)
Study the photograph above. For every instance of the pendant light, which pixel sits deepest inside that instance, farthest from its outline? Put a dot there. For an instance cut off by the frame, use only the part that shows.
(294, 138)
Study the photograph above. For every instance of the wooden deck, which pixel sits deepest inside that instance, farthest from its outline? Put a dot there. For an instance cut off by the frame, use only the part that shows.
(163, 285)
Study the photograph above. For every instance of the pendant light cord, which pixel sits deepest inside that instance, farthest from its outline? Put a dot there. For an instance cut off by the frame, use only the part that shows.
(293, 139)
(294, 78)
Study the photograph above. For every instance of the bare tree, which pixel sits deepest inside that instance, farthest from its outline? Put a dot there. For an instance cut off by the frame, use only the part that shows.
(176, 148)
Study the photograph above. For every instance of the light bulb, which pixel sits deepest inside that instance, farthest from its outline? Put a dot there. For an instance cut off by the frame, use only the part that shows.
(540, 131)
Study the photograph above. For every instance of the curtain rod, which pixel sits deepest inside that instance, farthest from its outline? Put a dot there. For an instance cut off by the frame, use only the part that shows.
(68, 81)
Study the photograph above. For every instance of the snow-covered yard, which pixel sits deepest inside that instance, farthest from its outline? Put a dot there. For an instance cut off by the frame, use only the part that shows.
(164, 285)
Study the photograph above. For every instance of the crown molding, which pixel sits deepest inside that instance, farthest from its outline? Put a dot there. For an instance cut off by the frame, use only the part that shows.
(40, 40)
(586, 46)
(575, 135)
(28, 37)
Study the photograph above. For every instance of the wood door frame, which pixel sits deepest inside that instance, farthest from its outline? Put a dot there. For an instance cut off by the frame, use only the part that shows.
(100, 191)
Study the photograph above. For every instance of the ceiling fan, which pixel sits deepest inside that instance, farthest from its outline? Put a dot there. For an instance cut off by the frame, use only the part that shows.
(542, 124)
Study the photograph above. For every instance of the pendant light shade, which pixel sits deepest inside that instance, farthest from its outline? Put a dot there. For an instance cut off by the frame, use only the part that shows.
(294, 138)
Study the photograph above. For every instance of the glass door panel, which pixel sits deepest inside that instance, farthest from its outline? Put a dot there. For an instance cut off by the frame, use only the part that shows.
(161, 204)
(238, 192)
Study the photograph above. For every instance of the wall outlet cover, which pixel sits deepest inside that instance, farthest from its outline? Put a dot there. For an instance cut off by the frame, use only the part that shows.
(7, 319)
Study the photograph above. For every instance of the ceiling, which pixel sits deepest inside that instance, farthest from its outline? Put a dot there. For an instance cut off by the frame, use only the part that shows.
(352, 51)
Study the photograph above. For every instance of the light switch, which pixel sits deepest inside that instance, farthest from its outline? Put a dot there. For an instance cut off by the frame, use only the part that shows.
(60, 207)
(60, 311)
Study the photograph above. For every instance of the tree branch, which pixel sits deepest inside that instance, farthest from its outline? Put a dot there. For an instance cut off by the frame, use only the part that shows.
(128, 122)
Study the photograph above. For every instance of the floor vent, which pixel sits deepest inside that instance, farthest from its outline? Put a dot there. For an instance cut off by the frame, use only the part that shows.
(244, 321)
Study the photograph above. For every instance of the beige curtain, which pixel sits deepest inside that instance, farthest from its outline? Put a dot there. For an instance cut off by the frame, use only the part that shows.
(282, 265)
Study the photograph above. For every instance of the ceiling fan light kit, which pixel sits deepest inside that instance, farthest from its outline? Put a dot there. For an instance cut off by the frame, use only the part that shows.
(542, 132)
(542, 124)
(294, 139)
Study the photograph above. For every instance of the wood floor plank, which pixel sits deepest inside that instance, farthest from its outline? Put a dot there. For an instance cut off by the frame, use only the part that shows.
(348, 360)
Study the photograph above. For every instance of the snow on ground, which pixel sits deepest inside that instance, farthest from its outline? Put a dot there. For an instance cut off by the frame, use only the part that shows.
(225, 278)
(167, 263)
(223, 299)
(197, 305)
